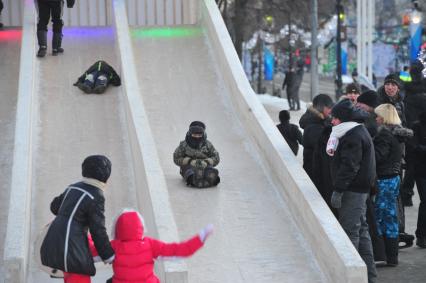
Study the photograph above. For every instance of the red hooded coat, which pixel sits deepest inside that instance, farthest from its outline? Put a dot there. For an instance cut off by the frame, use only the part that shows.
(135, 254)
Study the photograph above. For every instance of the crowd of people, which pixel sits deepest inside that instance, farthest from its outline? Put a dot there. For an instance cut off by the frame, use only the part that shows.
(364, 154)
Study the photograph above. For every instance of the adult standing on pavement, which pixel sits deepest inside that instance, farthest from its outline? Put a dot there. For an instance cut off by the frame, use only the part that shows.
(313, 122)
(388, 154)
(419, 145)
(391, 93)
(353, 174)
(415, 103)
(78, 209)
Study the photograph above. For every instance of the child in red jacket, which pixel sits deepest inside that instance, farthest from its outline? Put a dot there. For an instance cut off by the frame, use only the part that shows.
(135, 253)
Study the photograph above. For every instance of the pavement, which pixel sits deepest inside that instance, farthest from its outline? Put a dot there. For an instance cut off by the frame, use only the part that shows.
(412, 261)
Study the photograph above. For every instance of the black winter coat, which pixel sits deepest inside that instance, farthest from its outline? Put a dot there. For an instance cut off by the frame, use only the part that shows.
(322, 168)
(354, 165)
(106, 69)
(292, 135)
(79, 208)
(398, 102)
(415, 100)
(388, 154)
(419, 145)
(313, 123)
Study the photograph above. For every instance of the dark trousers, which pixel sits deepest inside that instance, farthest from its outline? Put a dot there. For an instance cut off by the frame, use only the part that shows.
(1, 6)
(352, 218)
(421, 220)
(407, 189)
(47, 9)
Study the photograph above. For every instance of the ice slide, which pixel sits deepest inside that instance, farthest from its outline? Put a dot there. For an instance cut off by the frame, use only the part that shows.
(271, 224)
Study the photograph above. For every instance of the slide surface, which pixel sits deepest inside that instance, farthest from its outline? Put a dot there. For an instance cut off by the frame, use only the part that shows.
(256, 239)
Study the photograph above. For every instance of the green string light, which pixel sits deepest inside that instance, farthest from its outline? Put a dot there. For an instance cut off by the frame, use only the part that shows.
(166, 32)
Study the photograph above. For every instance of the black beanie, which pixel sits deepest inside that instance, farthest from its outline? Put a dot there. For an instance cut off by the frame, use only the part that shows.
(197, 123)
(96, 167)
(284, 116)
(343, 110)
(353, 88)
(196, 130)
(393, 78)
(369, 98)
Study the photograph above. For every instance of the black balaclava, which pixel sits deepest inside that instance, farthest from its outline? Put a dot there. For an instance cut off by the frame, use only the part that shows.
(96, 167)
(195, 142)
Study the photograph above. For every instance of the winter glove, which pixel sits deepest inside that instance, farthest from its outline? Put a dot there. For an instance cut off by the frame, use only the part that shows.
(205, 232)
(336, 199)
(186, 160)
(209, 161)
(110, 260)
(201, 163)
(193, 162)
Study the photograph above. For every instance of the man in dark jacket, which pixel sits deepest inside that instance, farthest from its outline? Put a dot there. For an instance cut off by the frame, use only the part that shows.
(78, 209)
(290, 132)
(97, 78)
(353, 174)
(367, 101)
(313, 122)
(419, 147)
(391, 93)
(415, 103)
(291, 82)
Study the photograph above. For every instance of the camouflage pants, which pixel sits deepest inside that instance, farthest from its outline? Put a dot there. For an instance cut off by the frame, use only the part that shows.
(200, 177)
(386, 207)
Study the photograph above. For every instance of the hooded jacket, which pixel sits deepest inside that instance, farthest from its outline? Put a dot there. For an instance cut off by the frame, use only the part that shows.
(135, 253)
(79, 208)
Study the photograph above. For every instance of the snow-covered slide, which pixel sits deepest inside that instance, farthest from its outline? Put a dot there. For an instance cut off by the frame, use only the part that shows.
(57, 126)
(271, 223)
(10, 43)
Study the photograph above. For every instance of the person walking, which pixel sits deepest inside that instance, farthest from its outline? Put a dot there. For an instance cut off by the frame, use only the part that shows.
(353, 175)
(290, 132)
(291, 81)
(78, 209)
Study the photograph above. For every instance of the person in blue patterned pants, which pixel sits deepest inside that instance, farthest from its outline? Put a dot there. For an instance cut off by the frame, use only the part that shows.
(388, 153)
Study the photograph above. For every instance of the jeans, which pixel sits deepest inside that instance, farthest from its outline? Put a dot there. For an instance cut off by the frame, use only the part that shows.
(421, 220)
(352, 218)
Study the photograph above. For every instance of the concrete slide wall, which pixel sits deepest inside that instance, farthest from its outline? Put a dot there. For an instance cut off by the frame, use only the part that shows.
(335, 253)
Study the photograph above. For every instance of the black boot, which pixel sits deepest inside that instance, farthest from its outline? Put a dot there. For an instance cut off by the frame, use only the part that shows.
(407, 239)
(42, 43)
(421, 242)
(391, 247)
(56, 43)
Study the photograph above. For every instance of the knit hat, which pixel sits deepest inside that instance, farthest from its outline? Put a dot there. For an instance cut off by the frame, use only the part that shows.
(96, 167)
(369, 98)
(393, 78)
(353, 88)
(343, 110)
(284, 116)
(197, 123)
(196, 130)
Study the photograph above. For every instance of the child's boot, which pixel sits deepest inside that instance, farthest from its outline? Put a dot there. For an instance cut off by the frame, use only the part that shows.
(56, 43)
(42, 43)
